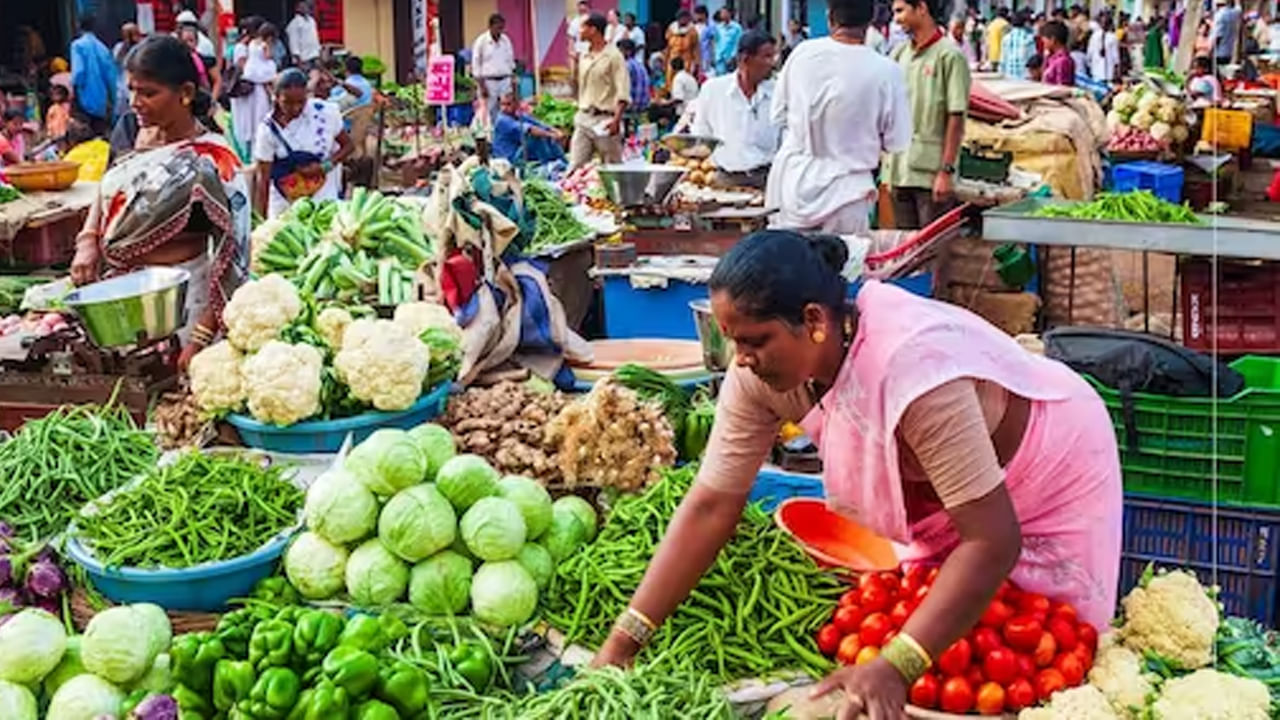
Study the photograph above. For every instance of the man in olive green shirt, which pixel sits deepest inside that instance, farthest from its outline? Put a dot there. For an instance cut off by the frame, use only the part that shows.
(922, 178)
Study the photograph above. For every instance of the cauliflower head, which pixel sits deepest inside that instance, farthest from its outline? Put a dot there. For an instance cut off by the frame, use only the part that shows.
(215, 378)
(1115, 119)
(1211, 695)
(282, 382)
(1161, 131)
(1148, 101)
(259, 310)
(1118, 672)
(332, 323)
(1123, 101)
(383, 364)
(417, 317)
(1142, 119)
(1079, 703)
(1173, 616)
(1180, 133)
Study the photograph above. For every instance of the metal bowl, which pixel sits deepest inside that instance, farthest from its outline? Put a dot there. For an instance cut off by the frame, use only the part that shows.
(691, 146)
(717, 350)
(147, 305)
(633, 185)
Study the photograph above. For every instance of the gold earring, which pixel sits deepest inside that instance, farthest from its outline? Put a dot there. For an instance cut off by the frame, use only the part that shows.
(818, 337)
(186, 101)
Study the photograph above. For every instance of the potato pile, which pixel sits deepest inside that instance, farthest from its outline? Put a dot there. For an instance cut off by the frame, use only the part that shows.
(701, 172)
(505, 424)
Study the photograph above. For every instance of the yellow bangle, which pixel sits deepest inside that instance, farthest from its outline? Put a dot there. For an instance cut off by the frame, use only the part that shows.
(907, 657)
(915, 645)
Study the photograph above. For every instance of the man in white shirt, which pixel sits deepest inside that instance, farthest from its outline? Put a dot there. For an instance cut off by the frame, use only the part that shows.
(735, 108)
(493, 62)
(634, 33)
(303, 36)
(578, 46)
(684, 86)
(841, 106)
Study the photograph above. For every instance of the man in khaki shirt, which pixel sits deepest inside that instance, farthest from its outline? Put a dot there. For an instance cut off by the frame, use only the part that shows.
(604, 89)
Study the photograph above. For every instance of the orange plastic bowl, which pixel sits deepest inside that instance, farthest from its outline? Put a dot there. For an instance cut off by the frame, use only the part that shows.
(832, 539)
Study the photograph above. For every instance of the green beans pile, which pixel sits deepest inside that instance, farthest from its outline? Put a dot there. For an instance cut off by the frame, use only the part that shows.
(427, 647)
(754, 612)
(56, 464)
(201, 508)
(556, 223)
(649, 691)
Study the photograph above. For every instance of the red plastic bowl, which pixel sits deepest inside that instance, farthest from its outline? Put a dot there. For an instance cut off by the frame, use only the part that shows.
(833, 539)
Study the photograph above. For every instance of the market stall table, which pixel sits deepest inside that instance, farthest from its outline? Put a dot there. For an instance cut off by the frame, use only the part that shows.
(39, 228)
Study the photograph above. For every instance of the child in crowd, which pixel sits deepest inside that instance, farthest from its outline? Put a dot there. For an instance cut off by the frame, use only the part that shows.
(57, 119)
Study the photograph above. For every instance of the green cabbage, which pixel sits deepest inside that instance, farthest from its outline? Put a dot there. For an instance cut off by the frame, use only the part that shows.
(156, 621)
(17, 702)
(535, 558)
(387, 462)
(158, 679)
(375, 576)
(493, 529)
(339, 508)
(31, 645)
(315, 566)
(581, 508)
(460, 547)
(436, 443)
(85, 697)
(120, 644)
(441, 584)
(503, 594)
(565, 535)
(465, 479)
(417, 523)
(69, 667)
(532, 499)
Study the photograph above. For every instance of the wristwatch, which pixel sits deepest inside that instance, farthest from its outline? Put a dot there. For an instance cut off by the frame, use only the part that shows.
(949, 169)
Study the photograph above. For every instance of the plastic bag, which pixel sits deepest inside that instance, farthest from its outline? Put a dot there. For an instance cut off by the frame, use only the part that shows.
(93, 157)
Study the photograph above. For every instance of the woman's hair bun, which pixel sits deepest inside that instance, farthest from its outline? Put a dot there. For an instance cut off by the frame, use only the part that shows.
(832, 249)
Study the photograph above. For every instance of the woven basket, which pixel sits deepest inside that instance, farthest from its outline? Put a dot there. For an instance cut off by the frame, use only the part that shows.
(183, 622)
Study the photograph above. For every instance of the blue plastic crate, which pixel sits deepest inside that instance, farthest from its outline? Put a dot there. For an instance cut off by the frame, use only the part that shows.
(460, 114)
(1164, 181)
(653, 312)
(1240, 544)
(773, 486)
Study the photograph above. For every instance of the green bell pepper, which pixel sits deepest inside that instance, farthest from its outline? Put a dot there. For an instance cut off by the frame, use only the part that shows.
(472, 662)
(275, 590)
(393, 628)
(299, 710)
(191, 704)
(376, 710)
(232, 682)
(404, 687)
(314, 635)
(271, 644)
(273, 695)
(234, 630)
(364, 632)
(290, 613)
(193, 656)
(327, 702)
(353, 670)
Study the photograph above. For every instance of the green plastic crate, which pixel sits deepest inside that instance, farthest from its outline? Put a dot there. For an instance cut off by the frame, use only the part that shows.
(1176, 455)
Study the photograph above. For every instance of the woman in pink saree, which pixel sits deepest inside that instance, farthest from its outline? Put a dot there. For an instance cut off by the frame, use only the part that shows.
(936, 431)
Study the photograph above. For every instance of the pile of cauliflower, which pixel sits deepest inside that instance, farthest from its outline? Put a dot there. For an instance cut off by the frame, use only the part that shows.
(382, 363)
(1163, 117)
(1170, 619)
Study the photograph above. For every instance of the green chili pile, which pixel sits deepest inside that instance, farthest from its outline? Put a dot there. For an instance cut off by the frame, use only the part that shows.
(648, 691)
(201, 508)
(556, 223)
(754, 611)
(1140, 206)
(56, 464)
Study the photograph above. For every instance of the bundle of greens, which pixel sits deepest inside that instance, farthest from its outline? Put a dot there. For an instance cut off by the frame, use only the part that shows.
(1139, 206)
(553, 112)
(1247, 649)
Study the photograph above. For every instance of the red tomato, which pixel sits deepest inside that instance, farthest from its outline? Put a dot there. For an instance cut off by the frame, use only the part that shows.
(1065, 611)
(985, 640)
(996, 614)
(1086, 657)
(850, 597)
(1012, 596)
(1071, 668)
(908, 587)
(1019, 695)
(874, 598)
(829, 639)
(866, 580)
(974, 676)
(1064, 632)
(1005, 587)
(924, 691)
(990, 700)
(1000, 665)
(1026, 666)
(956, 659)
(1032, 603)
(1045, 651)
(1048, 682)
(1088, 636)
(889, 636)
(890, 579)
(1023, 633)
(848, 650)
(873, 629)
(866, 655)
(848, 619)
(916, 574)
(932, 575)
(956, 695)
(899, 614)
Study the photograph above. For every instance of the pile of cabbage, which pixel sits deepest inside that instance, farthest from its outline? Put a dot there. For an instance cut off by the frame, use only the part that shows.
(119, 667)
(405, 516)
(1147, 110)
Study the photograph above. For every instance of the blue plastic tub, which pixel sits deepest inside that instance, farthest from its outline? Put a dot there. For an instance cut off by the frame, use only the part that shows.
(326, 436)
(203, 588)
(773, 486)
(1163, 180)
(631, 312)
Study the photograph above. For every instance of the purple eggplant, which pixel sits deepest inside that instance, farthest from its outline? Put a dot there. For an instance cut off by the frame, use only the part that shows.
(6, 530)
(155, 707)
(6, 570)
(50, 605)
(45, 579)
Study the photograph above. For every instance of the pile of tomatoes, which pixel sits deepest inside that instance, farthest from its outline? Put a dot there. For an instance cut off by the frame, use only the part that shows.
(1025, 648)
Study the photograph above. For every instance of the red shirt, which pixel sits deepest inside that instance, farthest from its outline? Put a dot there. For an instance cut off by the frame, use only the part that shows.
(1059, 69)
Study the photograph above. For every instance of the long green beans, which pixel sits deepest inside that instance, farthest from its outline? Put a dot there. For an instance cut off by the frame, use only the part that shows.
(56, 464)
(754, 612)
(556, 223)
(648, 691)
(199, 509)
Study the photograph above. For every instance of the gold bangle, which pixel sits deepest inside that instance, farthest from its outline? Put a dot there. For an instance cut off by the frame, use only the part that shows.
(630, 624)
(903, 655)
(653, 626)
(915, 645)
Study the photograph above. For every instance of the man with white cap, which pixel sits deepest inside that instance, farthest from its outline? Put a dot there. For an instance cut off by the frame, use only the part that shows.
(204, 46)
